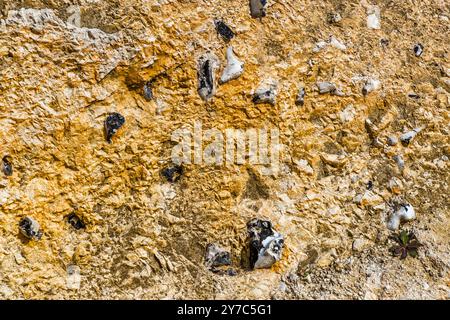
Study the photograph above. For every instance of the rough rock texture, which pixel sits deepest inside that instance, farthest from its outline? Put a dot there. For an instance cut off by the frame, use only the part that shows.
(62, 73)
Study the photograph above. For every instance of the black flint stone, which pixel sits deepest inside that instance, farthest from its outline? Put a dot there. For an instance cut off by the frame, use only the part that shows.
(75, 221)
(26, 228)
(418, 49)
(112, 123)
(222, 259)
(148, 92)
(225, 31)
(205, 77)
(7, 167)
(258, 231)
(172, 174)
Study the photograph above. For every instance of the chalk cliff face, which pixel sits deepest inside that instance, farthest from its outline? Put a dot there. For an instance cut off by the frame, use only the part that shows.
(344, 80)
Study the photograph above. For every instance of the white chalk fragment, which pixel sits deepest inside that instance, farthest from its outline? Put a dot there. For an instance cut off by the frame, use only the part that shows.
(405, 213)
(373, 18)
(234, 68)
(371, 85)
(408, 136)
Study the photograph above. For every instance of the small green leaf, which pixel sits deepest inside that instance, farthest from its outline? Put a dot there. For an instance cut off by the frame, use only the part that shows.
(404, 237)
(413, 253)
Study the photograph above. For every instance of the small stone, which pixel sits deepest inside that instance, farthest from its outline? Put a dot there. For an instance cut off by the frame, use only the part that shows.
(216, 256)
(392, 141)
(7, 166)
(371, 85)
(300, 100)
(234, 68)
(395, 185)
(266, 93)
(206, 73)
(266, 245)
(413, 95)
(373, 18)
(75, 221)
(224, 30)
(148, 92)
(418, 49)
(30, 228)
(400, 162)
(359, 244)
(113, 123)
(404, 213)
(408, 136)
(328, 87)
(334, 17)
(258, 8)
(173, 173)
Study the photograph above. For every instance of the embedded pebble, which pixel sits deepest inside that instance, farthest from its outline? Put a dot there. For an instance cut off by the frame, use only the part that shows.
(148, 92)
(371, 85)
(408, 136)
(234, 68)
(225, 32)
(216, 256)
(400, 162)
(7, 166)
(418, 49)
(373, 18)
(206, 74)
(328, 87)
(332, 41)
(392, 141)
(266, 93)
(30, 228)
(266, 244)
(113, 123)
(333, 17)
(300, 100)
(404, 213)
(173, 173)
(75, 221)
(258, 8)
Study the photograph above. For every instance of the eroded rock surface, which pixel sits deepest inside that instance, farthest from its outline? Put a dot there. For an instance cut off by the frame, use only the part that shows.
(66, 65)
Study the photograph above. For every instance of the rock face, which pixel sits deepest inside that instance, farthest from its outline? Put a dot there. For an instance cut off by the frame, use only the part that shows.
(143, 222)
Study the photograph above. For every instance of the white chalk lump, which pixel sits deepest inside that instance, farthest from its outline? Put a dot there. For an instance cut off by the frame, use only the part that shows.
(234, 68)
(328, 87)
(266, 245)
(408, 136)
(371, 85)
(404, 213)
(266, 92)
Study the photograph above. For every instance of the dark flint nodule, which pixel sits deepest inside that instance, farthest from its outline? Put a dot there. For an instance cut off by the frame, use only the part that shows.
(205, 78)
(216, 256)
(148, 92)
(7, 166)
(257, 8)
(300, 97)
(370, 185)
(265, 244)
(418, 49)
(75, 221)
(113, 123)
(30, 228)
(173, 173)
(224, 30)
